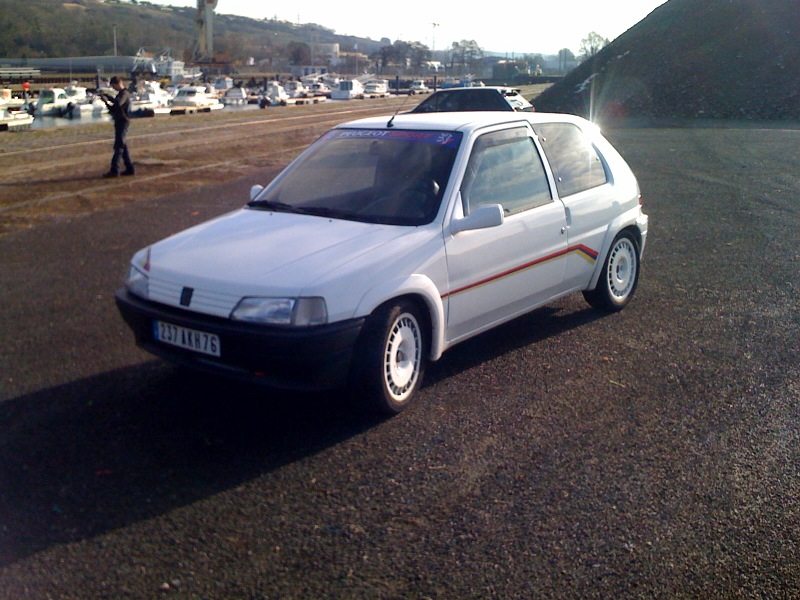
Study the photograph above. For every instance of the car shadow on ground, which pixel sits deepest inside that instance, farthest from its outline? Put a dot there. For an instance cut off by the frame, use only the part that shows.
(523, 331)
(104, 452)
(107, 451)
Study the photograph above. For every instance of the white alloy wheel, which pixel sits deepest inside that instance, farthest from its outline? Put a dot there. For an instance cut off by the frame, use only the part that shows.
(619, 276)
(622, 267)
(402, 357)
(390, 359)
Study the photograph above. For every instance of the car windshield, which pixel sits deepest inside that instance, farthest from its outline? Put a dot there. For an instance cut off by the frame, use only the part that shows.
(387, 176)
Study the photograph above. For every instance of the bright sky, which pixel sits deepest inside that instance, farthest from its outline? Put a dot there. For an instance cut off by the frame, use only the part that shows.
(536, 26)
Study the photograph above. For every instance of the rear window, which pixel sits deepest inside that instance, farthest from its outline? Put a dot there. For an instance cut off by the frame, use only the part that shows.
(576, 165)
(463, 100)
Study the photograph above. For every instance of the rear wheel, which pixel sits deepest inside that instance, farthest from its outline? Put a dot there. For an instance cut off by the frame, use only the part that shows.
(619, 277)
(390, 361)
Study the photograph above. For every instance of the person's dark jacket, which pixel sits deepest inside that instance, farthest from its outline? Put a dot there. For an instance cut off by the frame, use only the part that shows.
(119, 107)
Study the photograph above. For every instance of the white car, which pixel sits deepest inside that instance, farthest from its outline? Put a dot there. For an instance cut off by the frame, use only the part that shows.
(430, 229)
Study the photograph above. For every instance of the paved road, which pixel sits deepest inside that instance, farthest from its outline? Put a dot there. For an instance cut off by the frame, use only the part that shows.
(651, 453)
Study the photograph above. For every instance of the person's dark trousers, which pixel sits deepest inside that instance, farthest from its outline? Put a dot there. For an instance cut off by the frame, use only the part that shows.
(121, 149)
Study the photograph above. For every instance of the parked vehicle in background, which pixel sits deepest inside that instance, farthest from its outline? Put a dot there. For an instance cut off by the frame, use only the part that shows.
(485, 98)
(430, 229)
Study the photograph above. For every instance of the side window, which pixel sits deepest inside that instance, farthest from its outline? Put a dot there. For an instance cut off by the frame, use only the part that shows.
(576, 164)
(505, 168)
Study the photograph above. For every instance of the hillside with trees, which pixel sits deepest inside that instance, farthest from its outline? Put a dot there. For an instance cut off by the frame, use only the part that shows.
(56, 28)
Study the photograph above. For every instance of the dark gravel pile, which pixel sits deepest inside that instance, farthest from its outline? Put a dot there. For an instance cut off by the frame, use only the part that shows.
(719, 59)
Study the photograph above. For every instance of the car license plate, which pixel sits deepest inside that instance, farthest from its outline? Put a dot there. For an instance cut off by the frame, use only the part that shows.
(189, 339)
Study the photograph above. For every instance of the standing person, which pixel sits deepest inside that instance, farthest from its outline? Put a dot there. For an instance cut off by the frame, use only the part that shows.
(118, 107)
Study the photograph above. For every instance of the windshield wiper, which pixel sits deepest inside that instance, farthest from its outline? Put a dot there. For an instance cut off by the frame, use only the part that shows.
(276, 206)
(317, 211)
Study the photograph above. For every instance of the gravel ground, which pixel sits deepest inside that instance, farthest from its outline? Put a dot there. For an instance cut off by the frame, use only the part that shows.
(650, 453)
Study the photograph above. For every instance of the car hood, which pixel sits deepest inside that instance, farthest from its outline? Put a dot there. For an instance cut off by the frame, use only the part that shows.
(251, 252)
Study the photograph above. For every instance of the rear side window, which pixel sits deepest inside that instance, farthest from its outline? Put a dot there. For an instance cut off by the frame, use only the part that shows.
(575, 162)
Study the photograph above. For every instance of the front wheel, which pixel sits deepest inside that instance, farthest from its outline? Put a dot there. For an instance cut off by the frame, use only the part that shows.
(619, 277)
(390, 361)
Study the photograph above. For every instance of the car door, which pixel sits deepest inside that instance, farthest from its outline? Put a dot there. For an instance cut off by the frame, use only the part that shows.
(583, 186)
(499, 272)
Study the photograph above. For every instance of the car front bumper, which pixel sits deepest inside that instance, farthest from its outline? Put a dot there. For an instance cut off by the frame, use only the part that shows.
(307, 358)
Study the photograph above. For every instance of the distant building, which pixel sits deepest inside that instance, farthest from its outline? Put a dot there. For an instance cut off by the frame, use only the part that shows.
(80, 64)
(324, 53)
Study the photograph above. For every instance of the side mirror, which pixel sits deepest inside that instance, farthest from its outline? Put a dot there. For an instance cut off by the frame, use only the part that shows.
(255, 191)
(483, 217)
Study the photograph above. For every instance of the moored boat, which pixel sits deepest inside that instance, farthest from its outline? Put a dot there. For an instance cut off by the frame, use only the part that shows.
(192, 97)
(12, 120)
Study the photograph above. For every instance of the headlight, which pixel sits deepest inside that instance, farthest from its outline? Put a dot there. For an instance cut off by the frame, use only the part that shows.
(138, 281)
(282, 311)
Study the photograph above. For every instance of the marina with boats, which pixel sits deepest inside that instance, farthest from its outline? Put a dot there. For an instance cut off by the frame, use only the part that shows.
(80, 101)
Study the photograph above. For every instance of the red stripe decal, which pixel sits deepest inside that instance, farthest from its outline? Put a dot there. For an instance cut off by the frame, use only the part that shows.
(580, 248)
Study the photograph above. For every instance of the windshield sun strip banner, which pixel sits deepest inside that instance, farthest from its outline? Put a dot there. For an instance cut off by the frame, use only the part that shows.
(445, 139)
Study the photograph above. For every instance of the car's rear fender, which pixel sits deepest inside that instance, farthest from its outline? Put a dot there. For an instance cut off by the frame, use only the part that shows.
(634, 221)
(416, 286)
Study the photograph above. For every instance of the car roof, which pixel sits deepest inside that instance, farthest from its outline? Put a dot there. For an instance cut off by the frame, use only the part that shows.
(464, 121)
(499, 88)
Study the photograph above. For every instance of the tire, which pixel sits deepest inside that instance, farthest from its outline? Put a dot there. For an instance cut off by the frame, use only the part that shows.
(390, 359)
(619, 277)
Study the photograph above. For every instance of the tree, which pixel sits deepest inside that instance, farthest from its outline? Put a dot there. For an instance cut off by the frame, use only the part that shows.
(465, 54)
(299, 53)
(565, 57)
(592, 44)
(381, 58)
(418, 55)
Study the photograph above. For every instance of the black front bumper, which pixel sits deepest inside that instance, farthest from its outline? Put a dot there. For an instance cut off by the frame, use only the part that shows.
(308, 358)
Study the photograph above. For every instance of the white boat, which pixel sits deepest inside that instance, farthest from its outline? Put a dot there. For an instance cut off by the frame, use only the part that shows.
(223, 84)
(51, 102)
(191, 96)
(348, 89)
(235, 96)
(418, 86)
(151, 101)
(296, 89)
(81, 103)
(93, 107)
(11, 120)
(9, 101)
(376, 88)
(275, 94)
(320, 88)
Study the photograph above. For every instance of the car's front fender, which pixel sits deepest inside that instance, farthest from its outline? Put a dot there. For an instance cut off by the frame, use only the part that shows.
(416, 285)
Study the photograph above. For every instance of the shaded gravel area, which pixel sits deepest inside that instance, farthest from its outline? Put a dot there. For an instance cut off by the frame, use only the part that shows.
(710, 59)
(650, 453)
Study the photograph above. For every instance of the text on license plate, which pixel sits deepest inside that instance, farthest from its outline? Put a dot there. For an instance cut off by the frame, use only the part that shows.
(183, 337)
